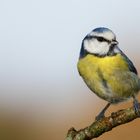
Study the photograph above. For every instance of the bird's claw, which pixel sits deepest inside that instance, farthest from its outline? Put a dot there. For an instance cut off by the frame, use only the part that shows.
(137, 107)
(99, 117)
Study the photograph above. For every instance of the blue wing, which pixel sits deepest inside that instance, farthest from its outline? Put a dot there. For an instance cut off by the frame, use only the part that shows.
(130, 64)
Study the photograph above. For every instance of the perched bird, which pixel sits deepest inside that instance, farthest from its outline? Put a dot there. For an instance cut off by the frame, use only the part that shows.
(106, 70)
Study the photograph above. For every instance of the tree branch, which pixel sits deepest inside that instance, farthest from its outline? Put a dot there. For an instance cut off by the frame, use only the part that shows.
(106, 124)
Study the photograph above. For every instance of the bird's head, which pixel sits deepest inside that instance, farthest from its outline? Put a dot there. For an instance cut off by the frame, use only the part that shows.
(101, 42)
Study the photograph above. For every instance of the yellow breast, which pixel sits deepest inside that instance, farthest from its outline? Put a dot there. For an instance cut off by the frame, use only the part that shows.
(97, 72)
(90, 64)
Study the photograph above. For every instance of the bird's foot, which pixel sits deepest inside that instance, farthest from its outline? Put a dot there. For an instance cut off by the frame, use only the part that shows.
(100, 116)
(136, 107)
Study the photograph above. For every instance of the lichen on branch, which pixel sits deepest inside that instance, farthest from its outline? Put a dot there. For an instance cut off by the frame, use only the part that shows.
(106, 124)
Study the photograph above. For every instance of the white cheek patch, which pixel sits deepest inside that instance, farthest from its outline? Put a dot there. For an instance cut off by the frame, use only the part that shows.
(95, 47)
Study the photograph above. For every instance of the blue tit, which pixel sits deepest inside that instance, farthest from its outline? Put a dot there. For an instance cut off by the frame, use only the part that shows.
(106, 70)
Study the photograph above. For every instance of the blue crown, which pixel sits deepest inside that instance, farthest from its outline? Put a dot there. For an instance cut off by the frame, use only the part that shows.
(101, 30)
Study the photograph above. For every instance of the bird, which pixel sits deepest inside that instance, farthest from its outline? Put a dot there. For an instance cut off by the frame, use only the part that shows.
(107, 70)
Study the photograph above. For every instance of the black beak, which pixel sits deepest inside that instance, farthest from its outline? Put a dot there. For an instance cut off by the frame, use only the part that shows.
(114, 42)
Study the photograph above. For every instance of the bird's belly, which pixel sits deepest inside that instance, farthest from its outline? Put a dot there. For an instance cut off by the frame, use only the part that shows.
(110, 81)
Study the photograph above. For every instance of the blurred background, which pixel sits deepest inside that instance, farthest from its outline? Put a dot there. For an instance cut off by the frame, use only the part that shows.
(41, 92)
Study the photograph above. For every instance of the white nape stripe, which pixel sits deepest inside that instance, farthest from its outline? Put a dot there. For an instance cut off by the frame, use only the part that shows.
(108, 35)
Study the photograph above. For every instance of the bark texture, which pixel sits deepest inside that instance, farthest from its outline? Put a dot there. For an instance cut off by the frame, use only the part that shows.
(106, 124)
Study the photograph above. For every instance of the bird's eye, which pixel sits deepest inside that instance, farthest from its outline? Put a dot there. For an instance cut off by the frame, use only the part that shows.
(101, 39)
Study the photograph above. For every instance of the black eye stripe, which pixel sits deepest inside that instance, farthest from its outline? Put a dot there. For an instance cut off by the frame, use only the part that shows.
(101, 39)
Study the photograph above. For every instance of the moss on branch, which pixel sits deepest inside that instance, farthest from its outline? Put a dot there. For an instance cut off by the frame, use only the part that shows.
(106, 124)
